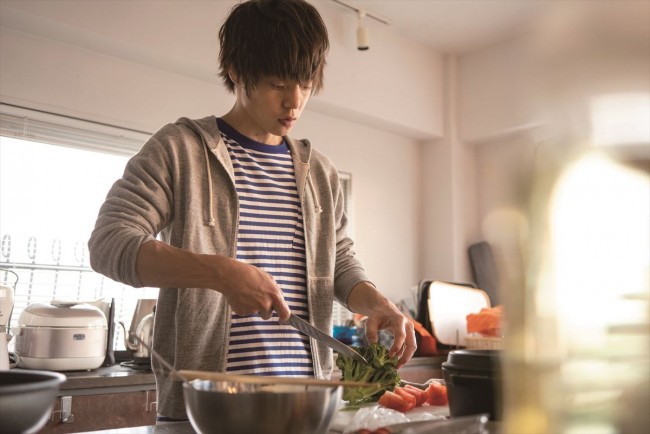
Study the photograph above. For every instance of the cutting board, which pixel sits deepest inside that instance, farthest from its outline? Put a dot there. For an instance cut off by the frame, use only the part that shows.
(449, 306)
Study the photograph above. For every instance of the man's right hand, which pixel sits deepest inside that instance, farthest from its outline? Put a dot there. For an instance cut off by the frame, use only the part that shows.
(250, 290)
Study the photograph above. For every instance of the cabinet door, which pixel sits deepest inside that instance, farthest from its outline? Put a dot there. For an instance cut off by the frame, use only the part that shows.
(107, 411)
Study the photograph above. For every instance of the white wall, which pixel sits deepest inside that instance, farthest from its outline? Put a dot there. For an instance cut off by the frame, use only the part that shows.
(449, 194)
(493, 95)
(46, 74)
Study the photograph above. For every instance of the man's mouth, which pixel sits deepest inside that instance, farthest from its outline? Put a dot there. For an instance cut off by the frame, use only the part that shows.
(288, 122)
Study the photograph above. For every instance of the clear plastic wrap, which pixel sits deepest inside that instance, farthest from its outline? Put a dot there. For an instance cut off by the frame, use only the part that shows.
(377, 416)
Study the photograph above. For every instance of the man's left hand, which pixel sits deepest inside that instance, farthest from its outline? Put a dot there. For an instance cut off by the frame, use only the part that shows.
(384, 315)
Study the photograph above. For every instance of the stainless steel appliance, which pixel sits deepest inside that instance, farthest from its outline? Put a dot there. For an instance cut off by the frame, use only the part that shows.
(143, 307)
(141, 349)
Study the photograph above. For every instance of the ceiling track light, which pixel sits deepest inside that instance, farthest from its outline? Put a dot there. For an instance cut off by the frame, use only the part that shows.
(363, 36)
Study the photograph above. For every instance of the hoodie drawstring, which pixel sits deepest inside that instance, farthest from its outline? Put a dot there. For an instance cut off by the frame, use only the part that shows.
(211, 221)
(317, 206)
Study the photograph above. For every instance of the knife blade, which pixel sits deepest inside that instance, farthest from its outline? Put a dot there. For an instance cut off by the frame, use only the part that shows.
(323, 337)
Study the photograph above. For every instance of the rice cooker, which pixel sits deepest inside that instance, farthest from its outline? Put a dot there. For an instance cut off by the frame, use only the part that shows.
(62, 337)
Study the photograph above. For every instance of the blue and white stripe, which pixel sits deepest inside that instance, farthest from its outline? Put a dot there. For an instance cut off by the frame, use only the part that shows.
(270, 237)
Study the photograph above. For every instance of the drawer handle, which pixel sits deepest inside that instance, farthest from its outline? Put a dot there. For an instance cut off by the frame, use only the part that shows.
(65, 413)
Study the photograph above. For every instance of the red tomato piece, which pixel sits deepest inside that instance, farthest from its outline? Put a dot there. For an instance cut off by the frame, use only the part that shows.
(408, 397)
(437, 394)
(393, 401)
(420, 395)
(381, 431)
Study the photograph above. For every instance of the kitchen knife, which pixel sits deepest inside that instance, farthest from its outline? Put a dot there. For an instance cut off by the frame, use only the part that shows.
(323, 337)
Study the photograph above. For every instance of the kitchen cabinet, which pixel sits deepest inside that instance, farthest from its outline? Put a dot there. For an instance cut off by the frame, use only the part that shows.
(105, 398)
(73, 414)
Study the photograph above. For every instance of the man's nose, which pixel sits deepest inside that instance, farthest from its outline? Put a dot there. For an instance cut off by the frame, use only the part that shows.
(293, 97)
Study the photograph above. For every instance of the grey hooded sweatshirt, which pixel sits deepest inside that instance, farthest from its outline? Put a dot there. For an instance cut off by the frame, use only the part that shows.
(180, 187)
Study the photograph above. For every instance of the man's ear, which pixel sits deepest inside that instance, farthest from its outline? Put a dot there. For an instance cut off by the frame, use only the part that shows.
(234, 77)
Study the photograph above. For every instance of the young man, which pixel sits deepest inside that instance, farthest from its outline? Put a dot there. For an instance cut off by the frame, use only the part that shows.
(251, 222)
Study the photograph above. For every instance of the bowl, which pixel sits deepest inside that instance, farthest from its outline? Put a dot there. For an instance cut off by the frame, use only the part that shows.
(27, 399)
(230, 407)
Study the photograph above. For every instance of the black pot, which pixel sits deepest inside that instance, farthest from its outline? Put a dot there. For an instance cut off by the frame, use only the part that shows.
(473, 379)
(26, 399)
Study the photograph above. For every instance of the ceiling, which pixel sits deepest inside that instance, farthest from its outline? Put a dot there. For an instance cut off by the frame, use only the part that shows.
(188, 26)
(453, 26)
(447, 26)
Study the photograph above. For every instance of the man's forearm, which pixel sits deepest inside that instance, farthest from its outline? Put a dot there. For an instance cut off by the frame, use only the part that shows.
(163, 266)
(366, 299)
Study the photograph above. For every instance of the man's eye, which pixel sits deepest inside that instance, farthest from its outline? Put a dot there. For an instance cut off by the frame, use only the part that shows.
(306, 86)
(275, 85)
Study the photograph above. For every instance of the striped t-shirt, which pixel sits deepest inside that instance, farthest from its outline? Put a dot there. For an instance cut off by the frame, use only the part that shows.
(270, 237)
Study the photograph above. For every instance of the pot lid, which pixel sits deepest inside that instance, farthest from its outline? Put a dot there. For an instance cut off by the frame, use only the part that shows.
(473, 360)
(449, 305)
(77, 315)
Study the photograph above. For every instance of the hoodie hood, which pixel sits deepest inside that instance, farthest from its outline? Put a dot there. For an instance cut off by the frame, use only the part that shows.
(208, 131)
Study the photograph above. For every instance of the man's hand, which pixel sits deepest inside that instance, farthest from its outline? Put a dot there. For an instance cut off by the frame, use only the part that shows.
(384, 315)
(250, 290)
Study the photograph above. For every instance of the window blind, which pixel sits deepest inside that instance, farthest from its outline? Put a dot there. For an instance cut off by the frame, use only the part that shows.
(45, 127)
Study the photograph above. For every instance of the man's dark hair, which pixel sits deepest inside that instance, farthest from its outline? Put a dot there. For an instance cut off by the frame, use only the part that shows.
(286, 39)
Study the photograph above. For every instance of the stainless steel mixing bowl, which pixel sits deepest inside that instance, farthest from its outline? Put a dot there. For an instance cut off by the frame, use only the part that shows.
(215, 407)
(26, 399)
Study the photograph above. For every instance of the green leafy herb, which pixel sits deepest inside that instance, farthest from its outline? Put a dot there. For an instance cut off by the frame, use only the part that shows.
(381, 371)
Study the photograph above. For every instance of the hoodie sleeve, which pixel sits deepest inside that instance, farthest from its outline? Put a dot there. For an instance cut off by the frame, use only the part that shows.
(137, 207)
(348, 271)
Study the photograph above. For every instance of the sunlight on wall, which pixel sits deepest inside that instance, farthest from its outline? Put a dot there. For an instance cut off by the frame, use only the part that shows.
(620, 118)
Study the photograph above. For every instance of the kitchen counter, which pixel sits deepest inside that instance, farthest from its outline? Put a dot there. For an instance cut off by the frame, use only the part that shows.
(340, 422)
(125, 397)
(492, 427)
(113, 379)
(168, 428)
(119, 378)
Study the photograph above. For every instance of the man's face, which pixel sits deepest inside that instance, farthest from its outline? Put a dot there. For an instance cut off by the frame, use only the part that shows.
(272, 108)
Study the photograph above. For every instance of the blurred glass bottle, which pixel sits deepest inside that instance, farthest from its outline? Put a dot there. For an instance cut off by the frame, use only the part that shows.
(578, 348)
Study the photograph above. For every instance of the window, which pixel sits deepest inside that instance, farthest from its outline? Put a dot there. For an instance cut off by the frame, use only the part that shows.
(620, 119)
(53, 178)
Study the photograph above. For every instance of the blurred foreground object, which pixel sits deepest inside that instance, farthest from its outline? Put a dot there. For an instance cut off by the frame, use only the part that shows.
(578, 336)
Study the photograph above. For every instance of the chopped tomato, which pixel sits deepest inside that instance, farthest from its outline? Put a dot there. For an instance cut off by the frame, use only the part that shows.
(408, 397)
(393, 401)
(437, 394)
(420, 395)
